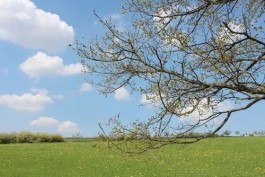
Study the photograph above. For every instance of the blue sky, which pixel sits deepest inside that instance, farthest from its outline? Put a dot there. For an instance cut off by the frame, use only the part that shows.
(43, 88)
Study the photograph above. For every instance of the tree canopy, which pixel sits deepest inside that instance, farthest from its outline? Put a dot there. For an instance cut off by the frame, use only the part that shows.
(190, 58)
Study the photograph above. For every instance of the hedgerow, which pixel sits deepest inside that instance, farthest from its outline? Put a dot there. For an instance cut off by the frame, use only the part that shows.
(29, 137)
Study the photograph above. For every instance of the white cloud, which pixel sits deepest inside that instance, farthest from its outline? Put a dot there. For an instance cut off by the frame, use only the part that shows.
(121, 94)
(41, 65)
(62, 127)
(28, 102)
(21, 22)
(45, 121)
(68, 126)
(46, 92)
(85, 87)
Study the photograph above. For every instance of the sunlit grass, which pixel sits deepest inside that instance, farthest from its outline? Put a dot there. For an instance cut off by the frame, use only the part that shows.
(219, 157)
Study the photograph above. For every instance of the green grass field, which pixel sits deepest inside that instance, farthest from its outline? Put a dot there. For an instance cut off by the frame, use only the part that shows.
(218, 157)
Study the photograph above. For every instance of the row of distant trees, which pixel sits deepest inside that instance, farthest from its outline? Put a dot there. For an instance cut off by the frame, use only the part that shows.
(238, 133)
(135, 136)
(254, 133)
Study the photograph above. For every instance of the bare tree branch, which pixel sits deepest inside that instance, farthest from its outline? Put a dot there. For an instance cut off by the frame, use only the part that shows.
(196, 61)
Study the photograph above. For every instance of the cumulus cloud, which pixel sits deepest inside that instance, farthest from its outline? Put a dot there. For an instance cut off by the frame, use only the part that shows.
(68, 126)
(85, 87)
(41, 65)
(121, 94)
(21, 22)
(45, 121)
(28, 102)
(62, 126)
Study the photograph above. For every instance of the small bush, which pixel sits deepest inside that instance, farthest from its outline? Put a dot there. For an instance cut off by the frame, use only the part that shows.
(102, 137)
(26, 137)
(7, 138)
(49, 138)
(57, 138)
(43, 138)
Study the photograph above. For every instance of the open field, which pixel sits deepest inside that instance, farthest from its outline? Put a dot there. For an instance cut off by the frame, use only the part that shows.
(220, 157)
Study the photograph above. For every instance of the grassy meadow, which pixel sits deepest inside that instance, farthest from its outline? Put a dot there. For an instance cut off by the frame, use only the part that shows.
(219, 157)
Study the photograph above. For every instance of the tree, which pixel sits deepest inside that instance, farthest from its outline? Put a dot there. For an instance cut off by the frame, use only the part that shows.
(226, 133)
(237, 132)
(190, 58)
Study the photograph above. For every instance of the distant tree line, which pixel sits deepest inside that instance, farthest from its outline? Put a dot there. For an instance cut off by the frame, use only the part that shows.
(29, 137)
(138, 136)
